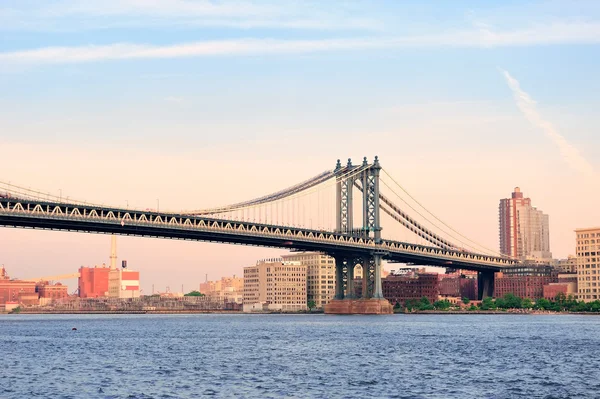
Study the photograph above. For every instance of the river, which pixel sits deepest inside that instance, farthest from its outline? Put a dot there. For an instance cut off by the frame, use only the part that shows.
(299, 356)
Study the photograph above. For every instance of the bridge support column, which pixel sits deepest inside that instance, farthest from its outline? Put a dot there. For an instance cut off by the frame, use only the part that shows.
(350, 280)
(377, 289)
(366, 265)
(339, 278)
(485, 284)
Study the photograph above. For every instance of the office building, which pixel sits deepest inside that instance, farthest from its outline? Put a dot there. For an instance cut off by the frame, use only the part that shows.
(588, 263)
(275, 284)
(320, 275)
(524, 230)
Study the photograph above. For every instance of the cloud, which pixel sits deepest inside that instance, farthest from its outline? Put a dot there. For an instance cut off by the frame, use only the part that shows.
(71, 15)
(527, 106)
(546, 35)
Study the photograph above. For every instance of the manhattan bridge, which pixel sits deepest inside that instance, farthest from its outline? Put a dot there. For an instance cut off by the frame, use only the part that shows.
(330, 201)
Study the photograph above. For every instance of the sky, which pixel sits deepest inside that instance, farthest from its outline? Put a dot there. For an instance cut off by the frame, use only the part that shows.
(193, 104)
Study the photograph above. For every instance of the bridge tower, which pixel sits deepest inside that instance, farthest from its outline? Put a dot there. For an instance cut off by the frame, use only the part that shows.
(366, 177)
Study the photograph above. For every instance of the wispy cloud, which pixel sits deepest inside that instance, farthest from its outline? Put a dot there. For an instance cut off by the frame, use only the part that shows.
(75, 15)
(546, 35)
(528, 107)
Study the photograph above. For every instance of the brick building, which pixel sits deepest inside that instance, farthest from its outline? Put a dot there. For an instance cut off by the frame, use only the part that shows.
(551, 290)
(15, 290)
(458, 285)
(51, 291)
(411, 284)
(524, 281)
(93, 282)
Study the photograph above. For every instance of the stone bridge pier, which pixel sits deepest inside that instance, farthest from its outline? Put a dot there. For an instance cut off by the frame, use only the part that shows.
(371, 300)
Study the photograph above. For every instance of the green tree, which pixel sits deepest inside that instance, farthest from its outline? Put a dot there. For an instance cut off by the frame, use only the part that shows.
(194, 293)
(410, 304)
(473, 307)
(527, 303)
(425, 304)
(466, 300)
(542, 304)
(487, 303)
(511, 301)
(311, 305)
(442, 305)
(500, 303)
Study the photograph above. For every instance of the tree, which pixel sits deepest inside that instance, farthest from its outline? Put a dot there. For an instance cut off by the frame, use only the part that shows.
(311, 305)
(194, 293)
(466, 300)
(511, 301)
(487, 303)
(410, 304)
(424, 304)
(542, 304)
(442, 305)
(527, 303)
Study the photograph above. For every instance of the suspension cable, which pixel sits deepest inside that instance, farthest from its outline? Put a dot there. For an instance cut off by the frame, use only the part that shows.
(435, 217)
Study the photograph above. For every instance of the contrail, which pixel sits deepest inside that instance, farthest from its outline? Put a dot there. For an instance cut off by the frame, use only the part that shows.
(527, 106)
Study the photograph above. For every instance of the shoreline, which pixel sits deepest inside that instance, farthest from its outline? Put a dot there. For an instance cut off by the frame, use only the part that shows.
(423, 312)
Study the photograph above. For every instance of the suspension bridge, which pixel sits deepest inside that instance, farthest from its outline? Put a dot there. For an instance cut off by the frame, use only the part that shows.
(315, 215)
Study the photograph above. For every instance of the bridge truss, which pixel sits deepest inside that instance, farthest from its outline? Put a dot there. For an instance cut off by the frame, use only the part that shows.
(237, 224)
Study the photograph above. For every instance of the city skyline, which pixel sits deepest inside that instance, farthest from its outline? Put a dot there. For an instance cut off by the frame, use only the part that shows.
(145, 109)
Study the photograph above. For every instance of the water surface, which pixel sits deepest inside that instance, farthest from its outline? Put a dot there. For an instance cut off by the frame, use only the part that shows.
(299, 356)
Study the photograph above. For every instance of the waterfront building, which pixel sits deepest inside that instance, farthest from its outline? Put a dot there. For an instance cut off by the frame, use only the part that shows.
(553, 289)
(15, 291)
(51, 291)
(93, 281)
(588, 263)
(413, 284)
(123, 283)
(457, 284)
(275, 284)
(320, 275)
(524, 281)
(227, 289)
(524, 230)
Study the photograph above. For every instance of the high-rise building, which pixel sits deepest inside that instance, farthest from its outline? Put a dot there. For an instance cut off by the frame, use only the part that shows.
(320, 275)
(524, 230)
(275, 285)
(588, 264)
